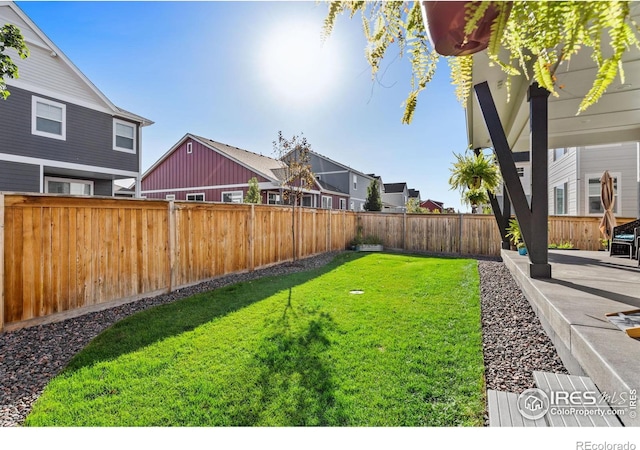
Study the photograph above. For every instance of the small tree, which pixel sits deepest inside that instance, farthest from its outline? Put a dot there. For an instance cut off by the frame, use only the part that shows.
(253, 194)
(10, 37)
(413, 207)
(297, 177)
(373, 202)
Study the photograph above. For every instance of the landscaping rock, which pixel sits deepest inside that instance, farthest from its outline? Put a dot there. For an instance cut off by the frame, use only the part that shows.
(513, 340)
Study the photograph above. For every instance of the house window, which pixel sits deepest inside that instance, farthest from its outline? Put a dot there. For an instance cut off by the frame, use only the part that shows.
(593, 194)
(355, 182)
(48, 118)
(68, 186)
(232, 197)
(199, 197)
(560, 199)
(559, 153)
(273, 199)
(189, 147)
(520, 171)
(327, 202)
(343, 203)
(124, 136)
(307, 201)
(351, 205)
(170, 197)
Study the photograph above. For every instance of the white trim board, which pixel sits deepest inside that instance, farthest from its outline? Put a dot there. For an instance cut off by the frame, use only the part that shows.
(65, 165)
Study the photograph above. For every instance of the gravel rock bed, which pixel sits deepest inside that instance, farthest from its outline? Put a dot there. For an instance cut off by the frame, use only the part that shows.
(514, 342)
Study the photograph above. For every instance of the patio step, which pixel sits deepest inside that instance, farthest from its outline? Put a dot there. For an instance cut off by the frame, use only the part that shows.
(503, 411)
(570, 408)
(576, 414)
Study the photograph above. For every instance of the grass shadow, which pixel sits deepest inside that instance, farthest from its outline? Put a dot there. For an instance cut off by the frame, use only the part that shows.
(164, 321)
(293, 373)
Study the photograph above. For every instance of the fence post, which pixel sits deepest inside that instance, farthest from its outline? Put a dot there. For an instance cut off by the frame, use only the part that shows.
(404, 230)
(252, 231)
(329, 247)
(1, 262)
(460, 236)
(172, 244)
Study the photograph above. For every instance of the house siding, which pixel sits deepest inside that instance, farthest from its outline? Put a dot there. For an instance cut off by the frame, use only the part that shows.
(18, 177)
(330, 173)
(562, 171)
(43, 70)
(619, 158)
(359, 195)
(203, 167)
(89, 135)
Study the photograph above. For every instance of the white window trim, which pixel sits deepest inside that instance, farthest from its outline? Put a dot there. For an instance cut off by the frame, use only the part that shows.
(34, 101)
(355, 182)
(565, 189)
(67, 180)
(189, 147)
(617, 207)
(330, 202)
(135, 140)
(204, 198)
(232, 193)
(343, 203)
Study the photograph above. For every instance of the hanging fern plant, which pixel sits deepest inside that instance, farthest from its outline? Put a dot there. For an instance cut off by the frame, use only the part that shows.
(531, 38)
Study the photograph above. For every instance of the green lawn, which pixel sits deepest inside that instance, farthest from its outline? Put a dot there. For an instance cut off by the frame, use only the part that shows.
(292, 350)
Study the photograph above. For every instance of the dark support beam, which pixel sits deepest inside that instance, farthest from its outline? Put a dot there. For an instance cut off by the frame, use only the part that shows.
(536, 241)
(501, 215)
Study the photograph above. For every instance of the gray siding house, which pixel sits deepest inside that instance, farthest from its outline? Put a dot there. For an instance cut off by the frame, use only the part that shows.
(342, 179)
(574, 179)
(60, 134)
(394, 199)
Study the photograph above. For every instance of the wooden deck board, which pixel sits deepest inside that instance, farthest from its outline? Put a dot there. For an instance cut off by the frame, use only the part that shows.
(584, 415)
(503, 411)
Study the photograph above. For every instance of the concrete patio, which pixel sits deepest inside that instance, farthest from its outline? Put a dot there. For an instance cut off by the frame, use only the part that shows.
(572, 306)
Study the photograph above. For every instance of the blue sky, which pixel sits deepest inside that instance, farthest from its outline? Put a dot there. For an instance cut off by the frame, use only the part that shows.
(238, 72)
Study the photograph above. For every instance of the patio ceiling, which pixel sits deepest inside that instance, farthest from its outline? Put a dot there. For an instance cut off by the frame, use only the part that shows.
(615, 118)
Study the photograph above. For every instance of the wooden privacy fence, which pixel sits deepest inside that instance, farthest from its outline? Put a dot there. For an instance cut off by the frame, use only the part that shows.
(64, 256)
(461, 234)
(471, 234)
(582, 232)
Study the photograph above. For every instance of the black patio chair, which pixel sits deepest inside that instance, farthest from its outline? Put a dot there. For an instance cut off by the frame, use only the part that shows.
(624, 239)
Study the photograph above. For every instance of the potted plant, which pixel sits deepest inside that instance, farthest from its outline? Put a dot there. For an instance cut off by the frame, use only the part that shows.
(522, 249)
(474, 174)
(515, 236)
(446, 23)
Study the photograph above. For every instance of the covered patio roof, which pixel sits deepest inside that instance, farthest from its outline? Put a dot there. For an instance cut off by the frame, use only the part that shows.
(615, 118)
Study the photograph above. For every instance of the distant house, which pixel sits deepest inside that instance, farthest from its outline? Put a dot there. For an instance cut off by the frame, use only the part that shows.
(413, 193)
(395, 197)
(59, 133)
(432, 205)
(342, 178)
(199, 169)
